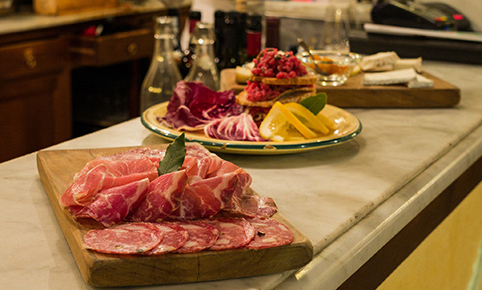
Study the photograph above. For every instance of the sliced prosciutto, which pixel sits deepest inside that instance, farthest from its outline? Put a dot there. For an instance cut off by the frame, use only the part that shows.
(130, 238)
(196, 150)
(118, 169)
(269, 233)
(175, 237)
(235, 128)
(194, 105)
(111, 206)
(163, 197)
(201, 236)
(112, 189)
(85, 187)
(205, 198)
(212, 182)
(233, 233)
(250, 205)
(103, 173)
(155, 155)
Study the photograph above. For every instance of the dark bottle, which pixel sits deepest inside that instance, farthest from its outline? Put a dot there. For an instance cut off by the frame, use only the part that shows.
(173, 15)
(231, 41)
(253, 36)
(272, 32)
(188, 55)
(242, 25)
(218, 32)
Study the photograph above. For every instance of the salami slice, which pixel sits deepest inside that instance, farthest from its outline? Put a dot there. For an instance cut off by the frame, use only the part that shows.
(175, 237)
(270, 233)
(201, 236)
(130, 238)
(233, 233)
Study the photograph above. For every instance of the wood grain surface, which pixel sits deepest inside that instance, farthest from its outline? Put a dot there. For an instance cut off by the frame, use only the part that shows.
(57, 168)
(353, 94)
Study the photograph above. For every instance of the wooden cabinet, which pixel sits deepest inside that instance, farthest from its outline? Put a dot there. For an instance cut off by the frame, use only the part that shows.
(35, 102)
(39, 68)
(111, 49)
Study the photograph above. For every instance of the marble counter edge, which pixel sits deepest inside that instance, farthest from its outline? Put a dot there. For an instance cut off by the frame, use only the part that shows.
(344, 256)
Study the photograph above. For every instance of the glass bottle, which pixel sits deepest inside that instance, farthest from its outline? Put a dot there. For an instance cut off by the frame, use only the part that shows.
(203, 67)
(173, 13)
(163, 74)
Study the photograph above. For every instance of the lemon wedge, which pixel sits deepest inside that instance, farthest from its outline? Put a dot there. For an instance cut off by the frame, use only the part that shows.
(327, 121)
(307, 118)
(282, 125)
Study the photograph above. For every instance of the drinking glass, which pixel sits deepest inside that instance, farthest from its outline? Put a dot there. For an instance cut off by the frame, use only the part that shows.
(335, 31)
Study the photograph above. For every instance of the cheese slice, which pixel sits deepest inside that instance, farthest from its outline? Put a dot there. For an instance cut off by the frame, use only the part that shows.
(420, 82)
(379, 61)
(391, 77)
(415, 63)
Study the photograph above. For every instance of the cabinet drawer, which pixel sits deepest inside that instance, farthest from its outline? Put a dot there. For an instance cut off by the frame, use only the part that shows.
(111, 49)
(35, 57)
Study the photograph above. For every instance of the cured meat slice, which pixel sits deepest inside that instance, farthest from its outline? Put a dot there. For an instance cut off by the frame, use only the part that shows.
(201, 236)
(206, 197)
(251, 205)
(124, 171)
(101, 174)
(197, 150)
(269, 233)
(233, 233)
(155, 155)
(84, 187)
(130, 238)
(175, 237)
(163, 197)
(111, 206)
(211, 186)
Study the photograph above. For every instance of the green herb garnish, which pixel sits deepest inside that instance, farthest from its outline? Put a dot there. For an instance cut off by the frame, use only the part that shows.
(315, 103)
(174, 158)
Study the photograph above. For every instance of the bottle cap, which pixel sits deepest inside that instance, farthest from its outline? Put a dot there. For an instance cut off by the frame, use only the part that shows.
(195, 15)
(172, 12)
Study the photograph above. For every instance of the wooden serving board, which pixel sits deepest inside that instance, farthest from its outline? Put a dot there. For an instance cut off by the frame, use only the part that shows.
(57, 168)
(353, 94)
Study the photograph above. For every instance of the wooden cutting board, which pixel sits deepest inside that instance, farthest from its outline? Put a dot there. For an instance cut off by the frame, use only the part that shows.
(57, 168)
(353, 94)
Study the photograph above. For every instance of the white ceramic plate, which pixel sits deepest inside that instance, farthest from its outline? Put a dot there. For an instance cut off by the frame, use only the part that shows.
(348, 128)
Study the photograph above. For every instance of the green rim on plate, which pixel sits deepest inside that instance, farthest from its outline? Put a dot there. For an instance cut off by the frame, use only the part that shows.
(348, 128)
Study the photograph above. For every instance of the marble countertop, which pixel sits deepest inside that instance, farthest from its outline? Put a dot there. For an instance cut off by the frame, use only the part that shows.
(348, 199)
(22, 22)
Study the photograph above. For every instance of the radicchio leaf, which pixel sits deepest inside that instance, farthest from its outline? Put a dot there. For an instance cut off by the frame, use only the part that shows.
(194, 105)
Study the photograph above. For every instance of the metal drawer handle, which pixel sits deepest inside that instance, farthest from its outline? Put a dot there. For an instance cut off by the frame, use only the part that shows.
(132, 49)
(30, 59)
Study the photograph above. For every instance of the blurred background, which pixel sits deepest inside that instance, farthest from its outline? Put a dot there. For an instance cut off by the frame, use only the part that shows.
(71, 67)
